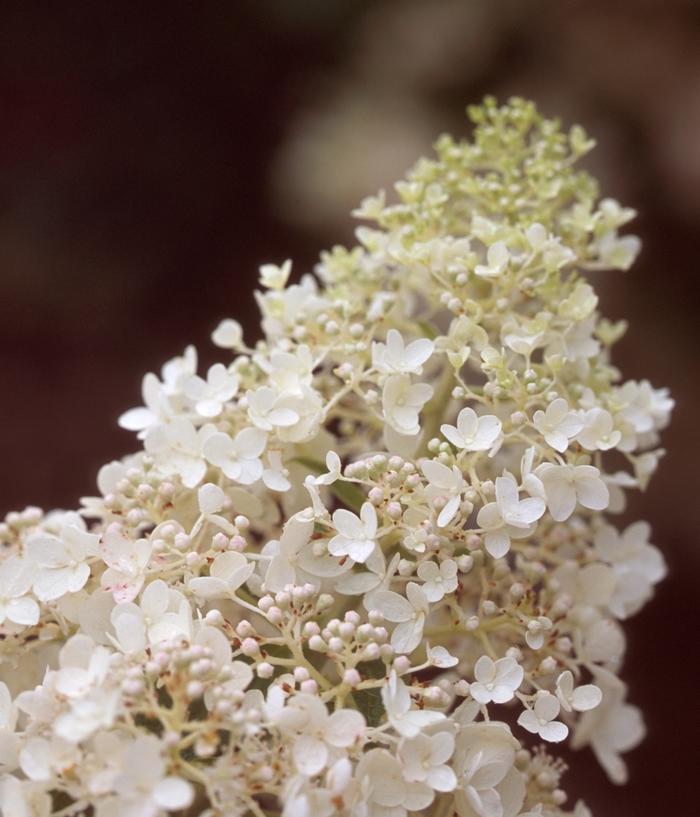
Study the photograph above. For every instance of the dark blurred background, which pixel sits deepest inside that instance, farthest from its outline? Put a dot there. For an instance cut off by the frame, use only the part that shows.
(153, 155)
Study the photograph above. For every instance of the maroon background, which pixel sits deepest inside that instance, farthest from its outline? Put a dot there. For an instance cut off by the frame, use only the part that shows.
(135, 206)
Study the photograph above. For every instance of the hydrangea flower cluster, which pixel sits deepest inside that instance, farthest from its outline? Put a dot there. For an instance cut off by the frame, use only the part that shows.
(370, 566)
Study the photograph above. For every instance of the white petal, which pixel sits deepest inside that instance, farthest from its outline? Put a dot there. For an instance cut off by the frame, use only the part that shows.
(586, 697)
(554, 732)
(344, 727)
(208, 587)
(451, 434)
(227, 334)
(485, 670)
(155, 599)
(441, 778)
(173, 793)
(310, 755)
(561, 499)
(497, 543)
(407, 635)
(250, 443)
(447, 514)
(592, 492)
(528, 720)
(347, 524)
(210, 498)
(279, 574)
(547, 706)
(23, 611)
(393, 606)
(226, 564)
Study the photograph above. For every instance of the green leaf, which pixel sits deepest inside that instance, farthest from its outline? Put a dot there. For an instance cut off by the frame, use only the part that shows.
(369, 703)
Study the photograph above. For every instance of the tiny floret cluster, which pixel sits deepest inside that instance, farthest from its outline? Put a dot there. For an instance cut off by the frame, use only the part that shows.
(372, 564)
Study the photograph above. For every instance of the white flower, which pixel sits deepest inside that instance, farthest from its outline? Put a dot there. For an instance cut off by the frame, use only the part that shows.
(592, 585)
(497, 258)
(156, 409)
(161, 399)
(509, 516)
(334, 467)
(228, 334)
(473, 433)
(238, 458)
(289, 372)
(282, 569)
(397, 703)
(440, 657)
(210, 395)
(409, 613)
(541, 719)
(276, 475)
(424, 760)
(87, 714)
(143, 787)
(126, 561)
(162, 614)
(322, 732)
(356, 534)
(524, 336)
(384, 790)
(536, 236)
(177, 448)
(598, 432)
(487, 782)
(15, 583)
(59, 563)
(227, 573)
(642, 406)
(496, 681)
(537, 628)
(557, 424)
(610, 729)
(268, 409)
(394, 357)
(581, 699)
(567, 485)
(445, 484)
(275, 277)
(618, 253)
(402, 402)
(176, 371)
(637, 565)
(439, 579)
(41, 759)
(83, 665)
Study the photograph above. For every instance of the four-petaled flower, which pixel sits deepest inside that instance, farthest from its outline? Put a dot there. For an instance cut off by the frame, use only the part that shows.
(444, 484)
(402, 402)
(15, 583)
(567, 485)
(60, 563)
(356, 535)
(558, 425)
(473, 433)
(210, 395)
(438, 579)
(508, 517)
(541, 719)
(394, 357)
(496, 681)
(238, 457)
